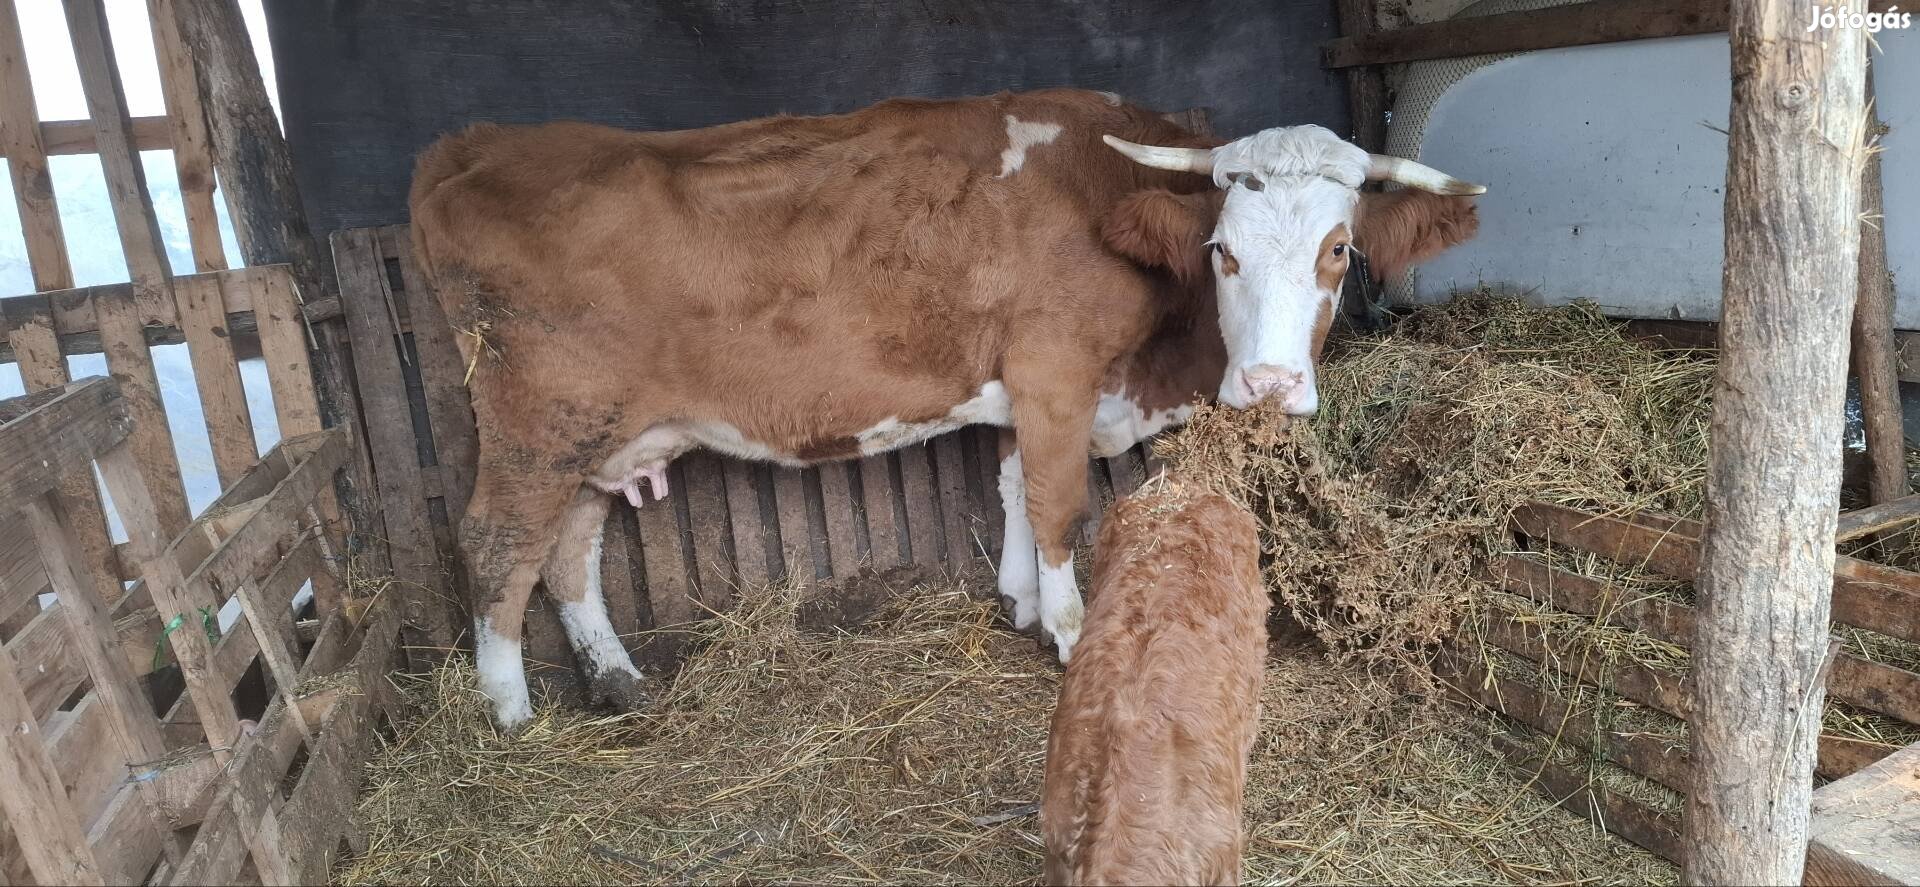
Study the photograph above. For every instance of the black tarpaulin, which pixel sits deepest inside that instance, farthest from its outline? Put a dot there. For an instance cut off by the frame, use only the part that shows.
(365, 85)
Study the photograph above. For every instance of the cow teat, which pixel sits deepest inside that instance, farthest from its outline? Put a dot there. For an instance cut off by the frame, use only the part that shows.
(1284, 225)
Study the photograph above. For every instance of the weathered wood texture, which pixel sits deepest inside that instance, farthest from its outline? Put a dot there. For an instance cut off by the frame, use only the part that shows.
(1578, 24)
(727, 523)
(1795, 150)
(1875, 354)
(1866, 827)
(98, 785)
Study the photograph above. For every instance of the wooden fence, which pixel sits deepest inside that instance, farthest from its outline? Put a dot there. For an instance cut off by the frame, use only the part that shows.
(1867, 597)
(108, 773)
(728, 521)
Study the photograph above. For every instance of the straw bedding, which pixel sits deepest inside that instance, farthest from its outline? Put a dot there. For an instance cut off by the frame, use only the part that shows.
(905, 748)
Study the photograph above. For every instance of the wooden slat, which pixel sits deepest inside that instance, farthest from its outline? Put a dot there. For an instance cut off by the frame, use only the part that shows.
(62, 137)
(1887, 515)
(35, 801)
(668, 588)
(389, 424)
(749, 532)
(54, 675)
(950, 474)
(140, 243)
(216, 375)
(22, 578)
(796, 539)
(622, 581)
(1865, 595)
(449, 411)
(876, 500)
(923, 505)
(989, 519)
(26, 153)
(1660, 691)
(706, 502)
(192, 156)
(836, 495)
(59, 438)
(1589, 800)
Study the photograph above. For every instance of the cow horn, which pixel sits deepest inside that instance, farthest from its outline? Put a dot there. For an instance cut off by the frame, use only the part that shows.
(1196, 160)
(1416, 175)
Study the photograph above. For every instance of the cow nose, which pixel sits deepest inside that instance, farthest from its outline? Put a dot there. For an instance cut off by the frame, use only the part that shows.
(1291, 388)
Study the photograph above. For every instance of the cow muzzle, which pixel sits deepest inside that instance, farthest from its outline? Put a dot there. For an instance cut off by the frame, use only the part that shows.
(1292, 390)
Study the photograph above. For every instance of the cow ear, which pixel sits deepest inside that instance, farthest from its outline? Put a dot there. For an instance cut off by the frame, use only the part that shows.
(1397, 229)
(1160, 229)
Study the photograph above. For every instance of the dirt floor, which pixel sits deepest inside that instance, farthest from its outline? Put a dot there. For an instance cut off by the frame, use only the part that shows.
(909, 748)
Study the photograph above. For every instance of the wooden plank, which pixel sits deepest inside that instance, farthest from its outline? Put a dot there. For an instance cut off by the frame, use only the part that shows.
(1591, 801)
(35, 801)
(749, 531)
(796, 539)
(622, 581)
(389, 425)
(1866, 827)
(1642, 753)
(1660, 691)
(442, 375)
(54, 675)
(836, 496)
(1580, 24)
(1873, 354)
(61, 437)
(216, 375)
(192, 156)
(925, 544)
(706, 494)
(876, 506)
(73, 317)
(988, 518)
(63, 137)
(26, 153)
(140, 243)
(668, 588)
(1872, 519)
(22, 578)
(950, 474)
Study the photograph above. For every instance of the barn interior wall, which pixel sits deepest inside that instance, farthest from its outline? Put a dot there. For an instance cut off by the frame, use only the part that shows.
(364, 86)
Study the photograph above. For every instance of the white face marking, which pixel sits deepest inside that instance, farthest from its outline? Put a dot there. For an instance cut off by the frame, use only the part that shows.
(1060, 609)
(1309, 184)
(587, 623)
(1019, 577)
(502, 678)
(991, 406)
(1022, 135)
(1119, 423)
(1113, 98)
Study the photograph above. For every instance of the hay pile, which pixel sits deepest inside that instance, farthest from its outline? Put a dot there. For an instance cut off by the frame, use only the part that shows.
(1378, 510)
(907, 751)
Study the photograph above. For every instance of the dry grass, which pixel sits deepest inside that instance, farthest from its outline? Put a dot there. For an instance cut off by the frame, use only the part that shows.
(887, 754)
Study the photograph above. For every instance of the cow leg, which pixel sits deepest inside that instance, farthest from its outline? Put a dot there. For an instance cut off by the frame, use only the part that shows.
(1019, 560)
(572, 579)
(1054, 425)
(505, 537)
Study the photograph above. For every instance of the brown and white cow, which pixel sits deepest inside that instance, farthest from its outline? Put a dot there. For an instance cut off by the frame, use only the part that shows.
(809, 289)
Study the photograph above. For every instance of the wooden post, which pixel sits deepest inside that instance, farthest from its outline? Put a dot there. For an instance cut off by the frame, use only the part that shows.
(1366, 85)
(1875, 355)
(1795, 150)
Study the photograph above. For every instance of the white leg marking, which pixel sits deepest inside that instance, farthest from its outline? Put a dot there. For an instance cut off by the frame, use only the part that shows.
(502, 677)
(587, 624)
(1022, 135)
(1060, 608)
(1019, 561)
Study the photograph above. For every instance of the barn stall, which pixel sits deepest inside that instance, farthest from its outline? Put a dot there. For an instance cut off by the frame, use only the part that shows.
(1483, 549)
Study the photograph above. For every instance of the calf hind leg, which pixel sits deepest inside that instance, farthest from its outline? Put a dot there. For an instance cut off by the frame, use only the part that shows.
(505, 537)
(573, 580)
(1019, 577)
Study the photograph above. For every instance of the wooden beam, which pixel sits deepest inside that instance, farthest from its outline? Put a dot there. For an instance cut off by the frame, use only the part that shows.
(1874, 518)
(58, 437)
(1874, 355)
(1765, 582)
(1866, 827)
(67, 137)
(1580, 24)
(192, 156)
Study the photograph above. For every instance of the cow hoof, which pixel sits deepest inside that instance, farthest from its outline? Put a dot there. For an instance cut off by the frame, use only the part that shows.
(620, 690)
(1022, 615)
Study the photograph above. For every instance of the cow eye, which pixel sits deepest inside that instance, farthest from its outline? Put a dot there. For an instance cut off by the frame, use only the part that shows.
(1339, 249)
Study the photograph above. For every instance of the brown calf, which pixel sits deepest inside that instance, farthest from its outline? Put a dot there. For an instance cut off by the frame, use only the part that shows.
(1148, 753)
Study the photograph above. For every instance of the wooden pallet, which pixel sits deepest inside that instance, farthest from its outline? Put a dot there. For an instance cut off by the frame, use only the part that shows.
(105, 775)
(1866, 596)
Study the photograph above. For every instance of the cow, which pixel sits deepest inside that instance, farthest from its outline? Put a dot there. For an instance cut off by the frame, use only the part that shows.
(1147, 753)
(809, 289)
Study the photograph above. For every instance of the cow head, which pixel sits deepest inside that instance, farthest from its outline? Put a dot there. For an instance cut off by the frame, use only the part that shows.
(1282, 234)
